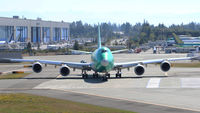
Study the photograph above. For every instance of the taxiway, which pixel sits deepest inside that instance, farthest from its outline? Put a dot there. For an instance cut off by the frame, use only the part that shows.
(155, 92)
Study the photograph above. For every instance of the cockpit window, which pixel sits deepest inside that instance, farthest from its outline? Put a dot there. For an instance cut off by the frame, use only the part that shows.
(103, 51)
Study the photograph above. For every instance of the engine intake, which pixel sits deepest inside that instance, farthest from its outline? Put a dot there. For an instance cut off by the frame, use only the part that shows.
(139, 69)
(37, 67)
(165, 66)
(64, 70)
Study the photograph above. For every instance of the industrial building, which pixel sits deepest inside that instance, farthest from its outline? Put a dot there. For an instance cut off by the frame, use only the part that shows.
(187, 41)
(190, 41)
(36, 31)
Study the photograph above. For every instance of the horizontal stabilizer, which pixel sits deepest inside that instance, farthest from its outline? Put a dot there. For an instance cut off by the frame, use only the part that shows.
(79, 52)
(119, 51)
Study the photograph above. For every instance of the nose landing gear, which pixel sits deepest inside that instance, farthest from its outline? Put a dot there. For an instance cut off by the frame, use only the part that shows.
(105, 77)
(95, 75)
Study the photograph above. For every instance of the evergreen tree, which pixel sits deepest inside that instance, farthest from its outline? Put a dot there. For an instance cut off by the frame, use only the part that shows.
(140, 32)
(76, 45)
(29, 48)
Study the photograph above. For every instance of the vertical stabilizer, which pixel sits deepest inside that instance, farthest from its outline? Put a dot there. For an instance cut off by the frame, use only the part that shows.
(99, 37)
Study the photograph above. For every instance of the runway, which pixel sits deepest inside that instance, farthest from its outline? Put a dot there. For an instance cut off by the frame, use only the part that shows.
(153, 93)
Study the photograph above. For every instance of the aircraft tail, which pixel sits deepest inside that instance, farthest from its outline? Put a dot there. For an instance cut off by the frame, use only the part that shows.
(99, 37)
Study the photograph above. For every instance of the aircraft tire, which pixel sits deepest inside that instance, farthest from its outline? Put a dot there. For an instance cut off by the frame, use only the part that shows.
(104, 78)
(108, 75)
(84, 76)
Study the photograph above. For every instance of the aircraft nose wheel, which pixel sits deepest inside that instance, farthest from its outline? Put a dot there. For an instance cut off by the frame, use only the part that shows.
(84, 76)
(108, 75)
(104, 78)
(95, 75)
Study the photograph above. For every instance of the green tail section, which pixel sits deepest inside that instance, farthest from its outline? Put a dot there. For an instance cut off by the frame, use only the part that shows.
(99, 37)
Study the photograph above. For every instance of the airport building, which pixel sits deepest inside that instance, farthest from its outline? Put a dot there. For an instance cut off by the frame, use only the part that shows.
(36, 31)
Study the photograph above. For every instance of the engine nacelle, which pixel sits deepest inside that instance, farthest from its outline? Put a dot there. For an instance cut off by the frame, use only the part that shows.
(139, 70)
(165, 66)
(37, 67)
(64, 70)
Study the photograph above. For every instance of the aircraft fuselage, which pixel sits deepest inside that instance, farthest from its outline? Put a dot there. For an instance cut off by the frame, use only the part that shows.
(102, 59)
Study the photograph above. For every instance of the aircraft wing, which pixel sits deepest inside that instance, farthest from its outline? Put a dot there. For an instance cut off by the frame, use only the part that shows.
(119, 51)
(80, 52)
(75, 65)
(154, 61)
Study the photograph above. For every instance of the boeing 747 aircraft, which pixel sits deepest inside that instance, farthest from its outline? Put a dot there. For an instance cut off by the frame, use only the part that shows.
(102, 62)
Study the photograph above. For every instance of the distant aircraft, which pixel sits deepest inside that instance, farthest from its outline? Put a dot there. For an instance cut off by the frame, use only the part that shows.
(2, 42)
(102, 62)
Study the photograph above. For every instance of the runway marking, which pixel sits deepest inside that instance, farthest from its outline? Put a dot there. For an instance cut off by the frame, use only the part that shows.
(138, 101)
(190, 82)
(153, 83)
(22, 69)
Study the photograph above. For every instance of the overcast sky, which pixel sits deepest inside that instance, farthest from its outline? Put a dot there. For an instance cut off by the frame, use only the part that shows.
(114, 11)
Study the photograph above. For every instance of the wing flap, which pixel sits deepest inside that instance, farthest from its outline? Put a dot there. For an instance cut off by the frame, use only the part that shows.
(154, 61)
(70, 64)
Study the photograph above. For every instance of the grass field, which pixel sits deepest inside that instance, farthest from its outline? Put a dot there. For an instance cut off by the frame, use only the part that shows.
(14, 76)
(26, 103)
(192, 65)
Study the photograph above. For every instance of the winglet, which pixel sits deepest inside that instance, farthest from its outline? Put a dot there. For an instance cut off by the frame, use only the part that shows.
(99, 37)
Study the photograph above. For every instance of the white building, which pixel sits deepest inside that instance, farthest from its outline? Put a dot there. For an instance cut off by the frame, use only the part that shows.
(35, 31)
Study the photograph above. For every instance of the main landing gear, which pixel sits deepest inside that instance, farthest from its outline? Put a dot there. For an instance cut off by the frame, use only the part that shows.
(119, 73)
(84, 74)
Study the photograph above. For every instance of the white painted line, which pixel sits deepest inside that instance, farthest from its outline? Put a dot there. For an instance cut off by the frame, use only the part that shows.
(10, 72)
(190, 82)
(153, 83)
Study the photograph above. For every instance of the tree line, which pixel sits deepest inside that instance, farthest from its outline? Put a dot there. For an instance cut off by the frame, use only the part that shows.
(138, 34)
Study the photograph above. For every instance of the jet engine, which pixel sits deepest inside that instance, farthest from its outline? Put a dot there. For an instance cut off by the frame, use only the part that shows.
(64, 70)
(37, 67)
(165, 66)
(139, 69)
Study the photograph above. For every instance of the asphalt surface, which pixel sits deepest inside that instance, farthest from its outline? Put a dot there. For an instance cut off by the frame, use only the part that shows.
(178, 92)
